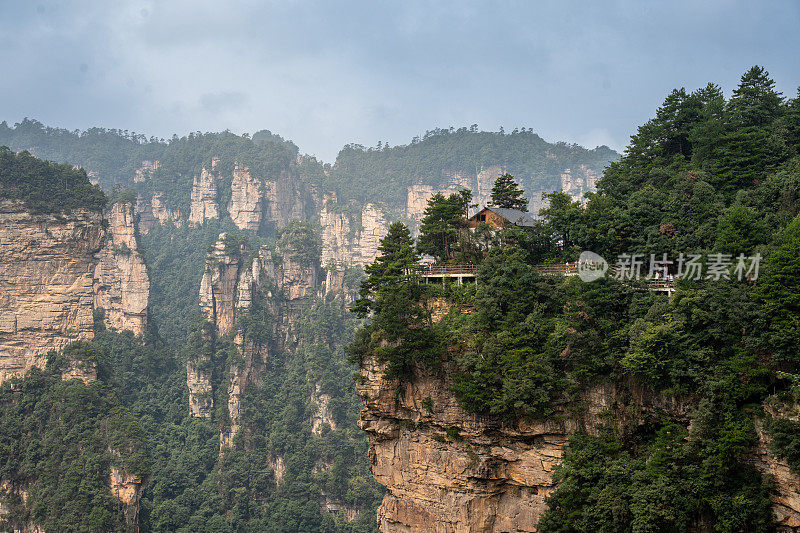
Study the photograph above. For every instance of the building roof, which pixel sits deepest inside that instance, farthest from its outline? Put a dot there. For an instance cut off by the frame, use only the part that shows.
(515, 216)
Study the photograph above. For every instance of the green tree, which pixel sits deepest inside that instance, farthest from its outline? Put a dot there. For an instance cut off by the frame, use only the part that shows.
(443, 219)
(739, 230)
(507, 194)
(563, 215)
(749, 145)
(779, 289)
(393, 265)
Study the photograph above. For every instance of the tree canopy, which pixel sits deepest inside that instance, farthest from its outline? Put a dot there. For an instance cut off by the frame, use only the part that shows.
(506, 193)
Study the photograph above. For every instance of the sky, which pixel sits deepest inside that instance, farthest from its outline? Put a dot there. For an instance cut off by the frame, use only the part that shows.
(327, 73)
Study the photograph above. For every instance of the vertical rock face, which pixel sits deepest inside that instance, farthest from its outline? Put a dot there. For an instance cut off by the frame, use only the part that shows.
(578, 182)
(144, 210)
(480, 184)
(128, 489)
(46, 279)
(218, 286)
(245, 206)
(297, 281)
(446, 470)
(162, 213)
(374, 227)
(323, 415)
(228, 291)
(145, 171)
(217, 306)
(785, 494)
(204, 203)
(337, 241)
(121, 284)
(287, 199)
(417, 200)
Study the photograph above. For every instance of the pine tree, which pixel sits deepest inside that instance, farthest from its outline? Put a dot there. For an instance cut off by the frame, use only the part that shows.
(779, 289)
(755, 101)
(389, 270)
(440, 225)
(749, 146)
(507, 194)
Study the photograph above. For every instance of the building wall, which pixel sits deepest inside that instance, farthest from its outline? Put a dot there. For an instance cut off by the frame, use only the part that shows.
(493, 219)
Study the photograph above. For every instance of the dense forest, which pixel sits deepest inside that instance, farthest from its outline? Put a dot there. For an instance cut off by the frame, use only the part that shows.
(46, 187)
(63, 438)
(377, 174)
(707, 176)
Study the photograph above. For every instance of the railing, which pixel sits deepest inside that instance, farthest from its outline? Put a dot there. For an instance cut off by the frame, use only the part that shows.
(561, 269)
(447, 270)
(564, 269)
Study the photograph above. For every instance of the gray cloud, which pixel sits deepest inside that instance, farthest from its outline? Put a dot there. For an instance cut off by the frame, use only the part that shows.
(325, 73)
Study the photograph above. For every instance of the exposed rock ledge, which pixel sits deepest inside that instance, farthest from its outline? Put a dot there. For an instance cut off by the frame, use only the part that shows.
(446, 470)
(46, 277)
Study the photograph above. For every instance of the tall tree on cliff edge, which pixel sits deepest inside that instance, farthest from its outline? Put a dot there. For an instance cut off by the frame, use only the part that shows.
(393, 295)
(439, 227)
(390, 268)
(507, 194)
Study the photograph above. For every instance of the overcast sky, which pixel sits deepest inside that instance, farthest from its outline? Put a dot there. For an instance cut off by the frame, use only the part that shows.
(328, 73)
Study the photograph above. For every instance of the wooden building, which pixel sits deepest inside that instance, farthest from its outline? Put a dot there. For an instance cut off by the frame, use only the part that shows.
(498, 217)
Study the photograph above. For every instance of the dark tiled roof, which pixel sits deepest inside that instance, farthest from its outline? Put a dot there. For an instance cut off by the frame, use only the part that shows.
(515, 216)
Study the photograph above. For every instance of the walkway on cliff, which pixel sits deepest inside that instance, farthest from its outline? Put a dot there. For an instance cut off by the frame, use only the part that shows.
(468, 271)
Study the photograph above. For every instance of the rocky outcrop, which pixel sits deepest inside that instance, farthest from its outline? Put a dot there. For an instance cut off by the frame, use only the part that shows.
(296, 280)
(204, 203)
(46, 284)
(121, 284)
(374, 227)
(218, 285)
(479, 183)
(287, 198)
(233, 280)
(785, 493)
(245, 206)
(323, 416)
(162, 213)
(217, 307)
(446, 470)
(579, 181)
(128, 489)
(145, 171)
(337, 235)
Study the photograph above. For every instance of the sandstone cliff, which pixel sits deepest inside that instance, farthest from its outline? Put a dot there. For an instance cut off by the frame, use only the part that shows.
(578, 182)
(245, 206)
(145, 171)
(449, 471)
(204, 203)
(446, 470)
(236, 281)
(162, 213)
(480, 183)
(121, 284)
(351, 236)
(785, 495)
(46, 284)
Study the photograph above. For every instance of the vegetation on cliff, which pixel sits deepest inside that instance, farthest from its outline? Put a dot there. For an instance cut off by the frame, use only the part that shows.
(46, 187)
(59, 441)
(384, 173)
(706, 176)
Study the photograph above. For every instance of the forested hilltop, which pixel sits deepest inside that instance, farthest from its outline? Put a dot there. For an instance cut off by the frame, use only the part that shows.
(681, 411)
(364, 174)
